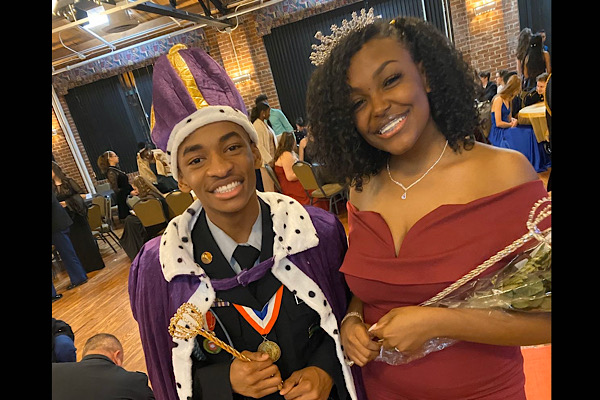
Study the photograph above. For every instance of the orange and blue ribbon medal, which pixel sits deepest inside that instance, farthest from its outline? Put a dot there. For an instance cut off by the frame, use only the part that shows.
(263, 321)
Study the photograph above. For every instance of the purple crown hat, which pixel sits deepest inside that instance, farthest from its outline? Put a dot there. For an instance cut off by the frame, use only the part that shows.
(190, 90)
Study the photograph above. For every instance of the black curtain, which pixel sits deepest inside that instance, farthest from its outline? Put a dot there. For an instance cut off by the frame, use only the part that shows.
(143, 83)
(536, 15)
(289, 46)
(110, 115)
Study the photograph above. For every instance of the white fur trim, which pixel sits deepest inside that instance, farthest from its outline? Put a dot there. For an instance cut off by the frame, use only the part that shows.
(294, 233)
(204, 116)
(306, 289)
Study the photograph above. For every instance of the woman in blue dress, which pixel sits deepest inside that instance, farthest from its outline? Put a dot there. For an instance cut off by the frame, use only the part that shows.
(505, 131)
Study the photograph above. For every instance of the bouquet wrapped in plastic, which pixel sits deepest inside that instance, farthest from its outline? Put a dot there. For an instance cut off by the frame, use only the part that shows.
(523, 285)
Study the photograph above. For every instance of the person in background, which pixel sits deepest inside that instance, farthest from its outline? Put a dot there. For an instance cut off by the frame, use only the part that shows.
(300, 131)
(61, 224)
(516, 102)
(536, 62)
(70, 195)
(536, 95)
(489, 87)
(542, 33)
(260, 267)
(285, 157)
(277, 118)
(99, 375)
(548, 104)
(507, 133)
(267, 142)
(108, 163)
(522, 47)
(499, 80)
(153, 165)
(148, 191)
(63, 342)
(392, 105)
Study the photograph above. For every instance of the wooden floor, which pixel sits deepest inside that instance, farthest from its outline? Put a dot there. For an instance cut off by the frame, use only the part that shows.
(102, 305)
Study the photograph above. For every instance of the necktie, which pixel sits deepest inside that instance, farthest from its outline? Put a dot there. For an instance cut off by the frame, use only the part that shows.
(246, 256)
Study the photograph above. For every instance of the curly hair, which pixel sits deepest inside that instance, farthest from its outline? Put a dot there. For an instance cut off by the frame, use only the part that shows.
(341, 149)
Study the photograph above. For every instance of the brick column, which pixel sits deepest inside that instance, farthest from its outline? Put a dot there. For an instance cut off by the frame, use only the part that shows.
(488, 41)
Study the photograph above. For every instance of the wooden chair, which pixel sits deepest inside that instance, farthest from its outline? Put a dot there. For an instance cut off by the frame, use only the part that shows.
(100, 229)
(151, 214)
(178, 202)
(273, 176)
(334, 192)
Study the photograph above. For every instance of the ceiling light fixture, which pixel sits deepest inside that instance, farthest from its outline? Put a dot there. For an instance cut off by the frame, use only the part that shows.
(241, 78)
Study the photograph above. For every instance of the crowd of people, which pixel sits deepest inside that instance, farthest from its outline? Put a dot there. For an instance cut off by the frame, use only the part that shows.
(299, 308)
(510, 91)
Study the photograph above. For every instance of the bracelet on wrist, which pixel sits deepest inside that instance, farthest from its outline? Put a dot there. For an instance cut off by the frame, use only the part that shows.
(352, 314)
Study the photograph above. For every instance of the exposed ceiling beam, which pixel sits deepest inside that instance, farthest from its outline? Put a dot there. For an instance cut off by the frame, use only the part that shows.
(171, 12)
(219, 5)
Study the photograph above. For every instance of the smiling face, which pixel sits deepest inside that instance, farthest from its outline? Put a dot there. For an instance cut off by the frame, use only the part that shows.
(389, 96)
(217, 161)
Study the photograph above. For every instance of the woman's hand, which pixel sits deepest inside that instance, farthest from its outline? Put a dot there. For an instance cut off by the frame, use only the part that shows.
(406, 329)
(358, 344)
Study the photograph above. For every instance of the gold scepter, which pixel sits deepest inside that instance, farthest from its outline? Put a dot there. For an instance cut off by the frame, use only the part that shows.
(189, 322)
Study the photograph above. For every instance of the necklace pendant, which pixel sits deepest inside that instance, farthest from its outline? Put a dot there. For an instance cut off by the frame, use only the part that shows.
(404, 196)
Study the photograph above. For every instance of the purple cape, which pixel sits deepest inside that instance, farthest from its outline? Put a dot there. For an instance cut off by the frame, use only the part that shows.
(154, 299)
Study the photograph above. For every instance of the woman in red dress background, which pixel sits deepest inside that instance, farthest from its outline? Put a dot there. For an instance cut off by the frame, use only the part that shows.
(285, 157)
(427, 205)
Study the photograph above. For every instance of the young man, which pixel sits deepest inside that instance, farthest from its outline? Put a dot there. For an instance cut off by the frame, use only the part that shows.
(489, 87)
(288, 295)
(536, 95)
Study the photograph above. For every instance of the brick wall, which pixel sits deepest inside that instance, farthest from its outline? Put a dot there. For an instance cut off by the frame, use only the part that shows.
(488, 41)
(62, 153)
(252, 57)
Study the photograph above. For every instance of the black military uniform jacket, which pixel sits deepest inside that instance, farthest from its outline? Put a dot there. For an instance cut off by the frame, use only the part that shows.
(307, 345)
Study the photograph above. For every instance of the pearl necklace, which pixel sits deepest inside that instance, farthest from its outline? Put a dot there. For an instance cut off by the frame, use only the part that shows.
(418, 180)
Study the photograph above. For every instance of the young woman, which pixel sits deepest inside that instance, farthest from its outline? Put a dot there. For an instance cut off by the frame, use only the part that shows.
(285, 157)
(108, 162)
(267, 143)
(71, 196)
(536, 62)
(507, 133)
(266, 135)
(399, 126)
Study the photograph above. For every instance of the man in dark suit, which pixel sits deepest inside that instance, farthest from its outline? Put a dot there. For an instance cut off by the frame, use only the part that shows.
(489, 87)
(99, 374)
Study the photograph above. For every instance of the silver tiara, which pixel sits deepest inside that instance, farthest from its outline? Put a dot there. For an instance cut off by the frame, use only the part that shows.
(322, 51)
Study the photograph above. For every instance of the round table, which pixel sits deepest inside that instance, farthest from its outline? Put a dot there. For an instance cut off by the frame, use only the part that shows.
(535, 115)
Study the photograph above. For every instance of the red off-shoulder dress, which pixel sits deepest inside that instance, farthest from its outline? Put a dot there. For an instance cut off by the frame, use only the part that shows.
(440, 248)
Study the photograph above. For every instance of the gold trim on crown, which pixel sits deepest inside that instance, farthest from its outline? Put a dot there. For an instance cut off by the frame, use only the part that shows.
(182, 69)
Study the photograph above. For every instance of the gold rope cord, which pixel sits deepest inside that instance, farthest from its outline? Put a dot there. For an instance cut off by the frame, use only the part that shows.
(532, 232)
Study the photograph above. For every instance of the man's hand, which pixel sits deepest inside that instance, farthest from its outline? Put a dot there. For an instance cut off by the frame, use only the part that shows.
(310, 383)
(256, 378)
